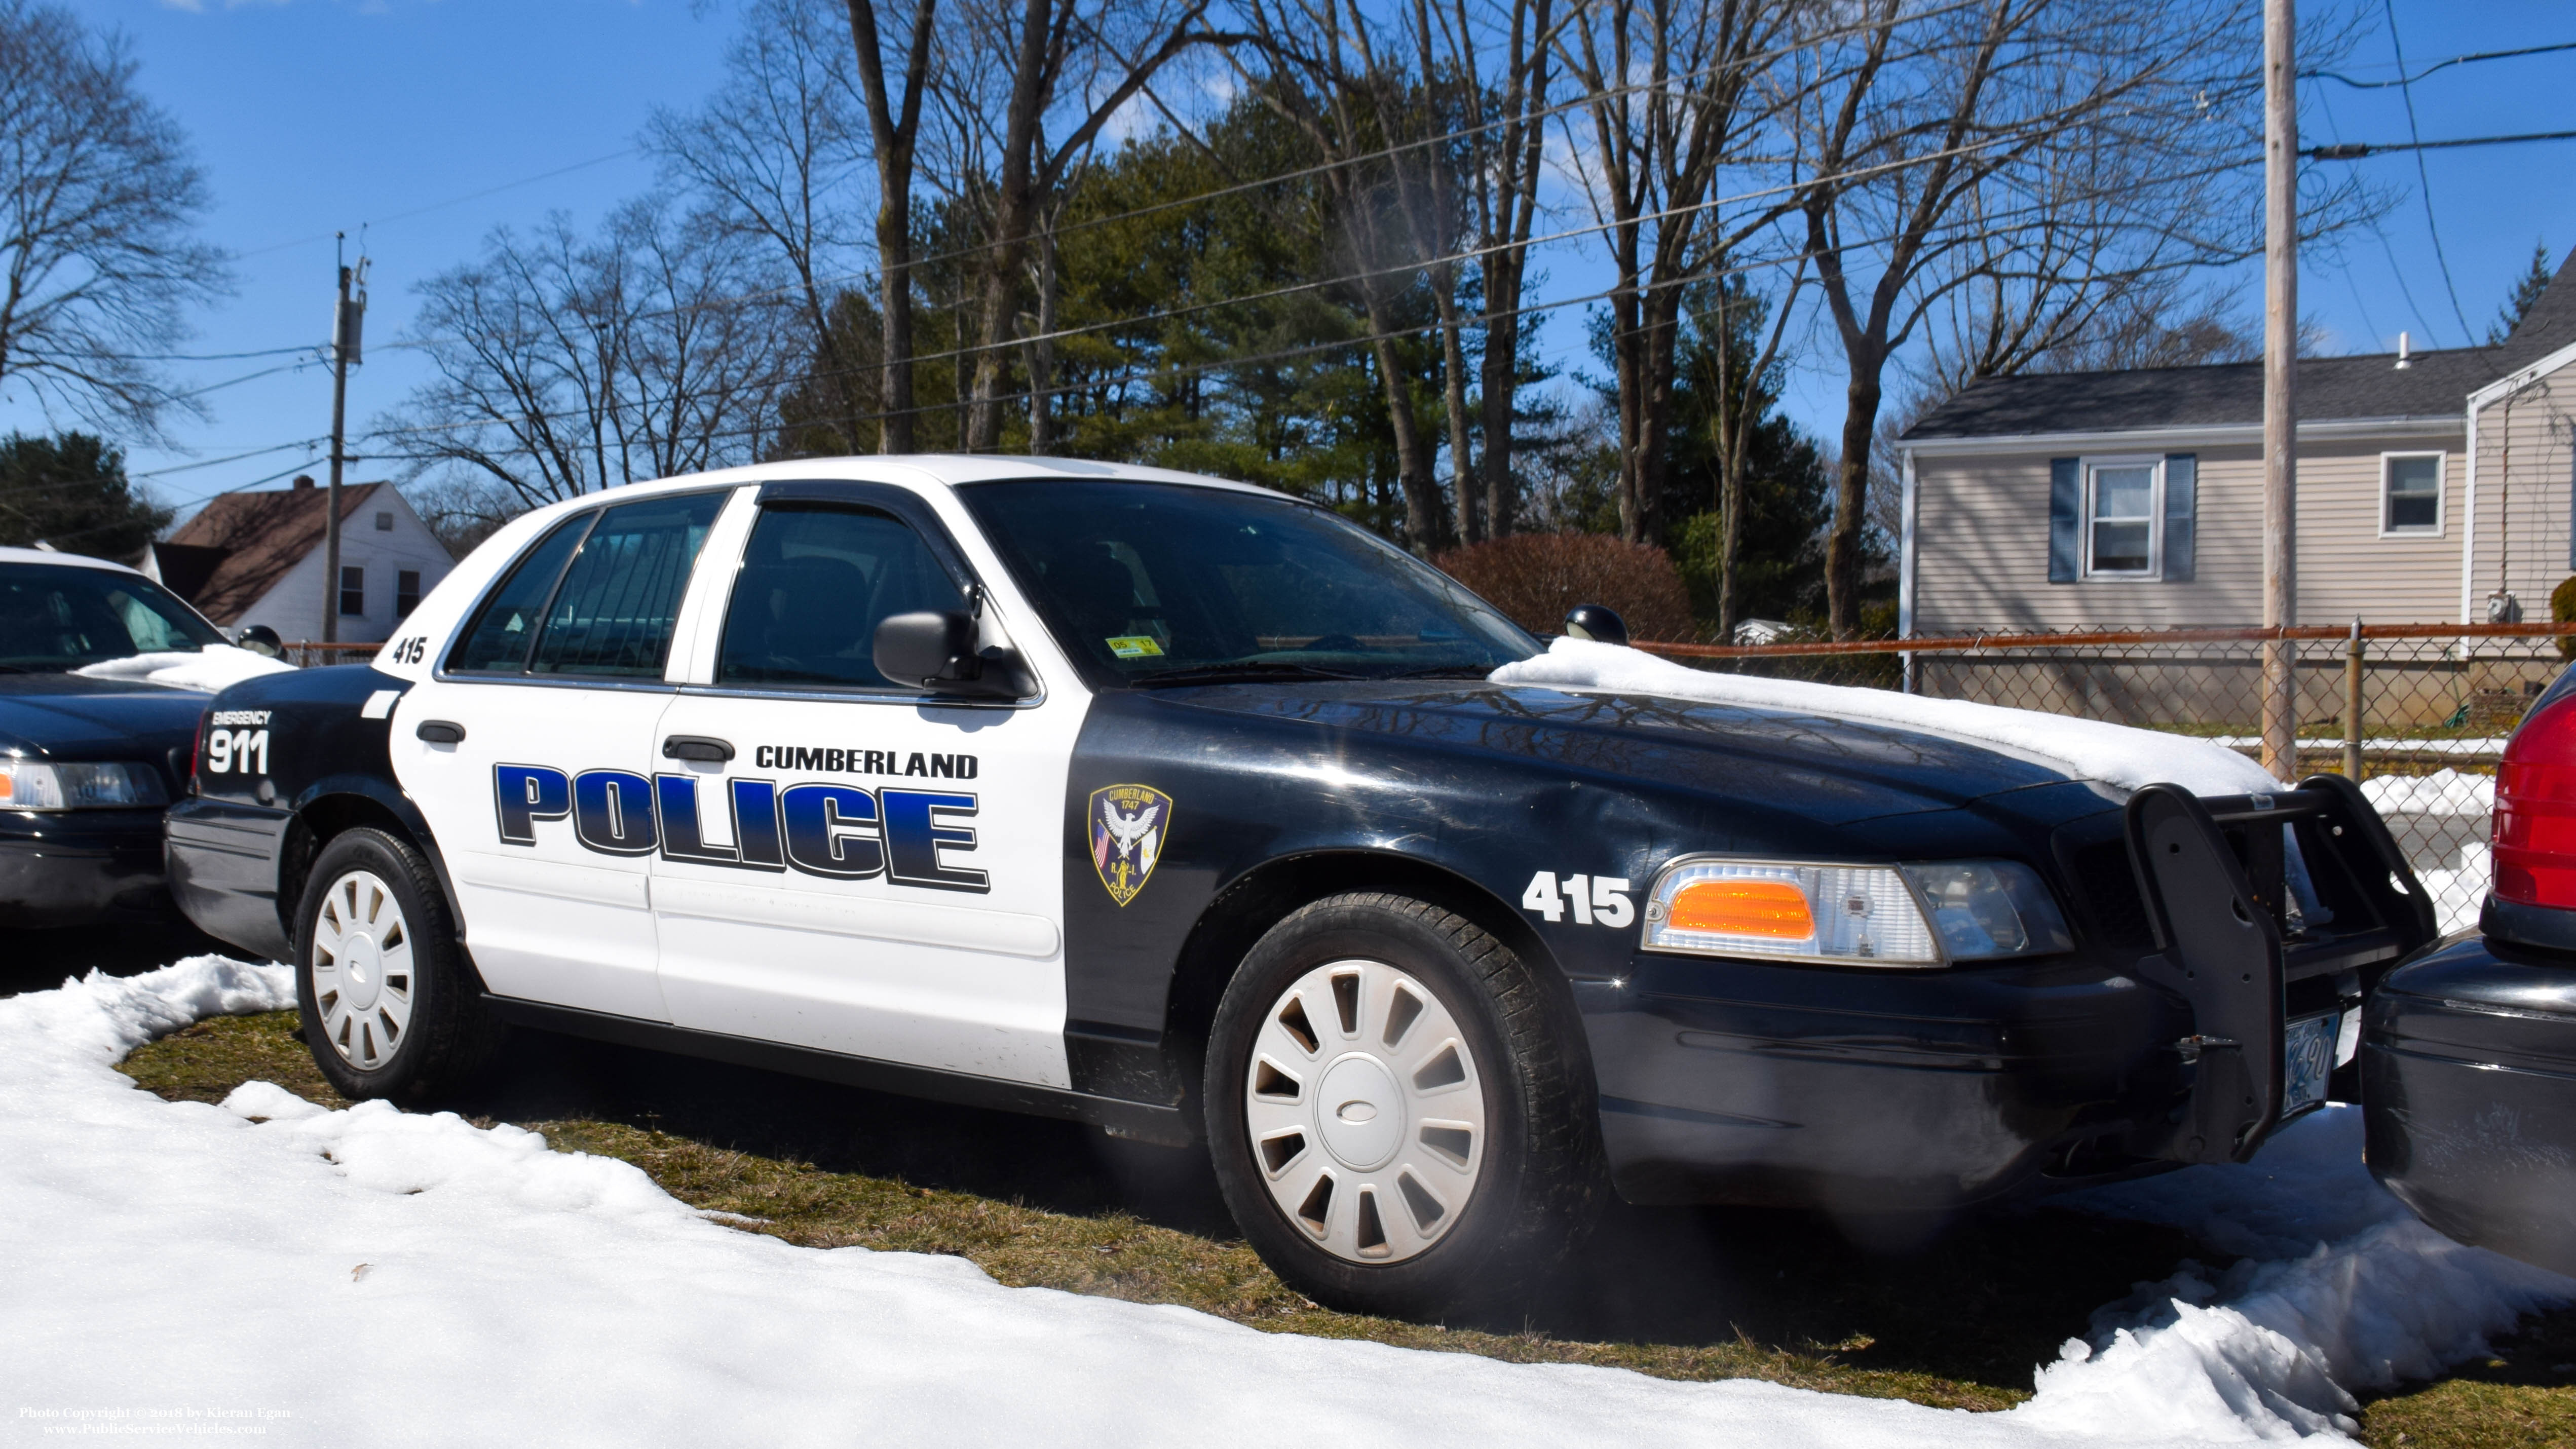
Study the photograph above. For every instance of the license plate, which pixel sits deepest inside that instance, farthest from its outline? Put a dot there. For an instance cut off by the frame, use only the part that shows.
(2307, 1060)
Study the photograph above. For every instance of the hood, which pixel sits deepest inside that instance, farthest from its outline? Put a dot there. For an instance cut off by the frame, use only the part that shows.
(74, 717)
(1828, 770)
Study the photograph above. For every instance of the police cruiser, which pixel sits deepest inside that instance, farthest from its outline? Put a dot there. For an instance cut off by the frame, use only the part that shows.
(1189, 810)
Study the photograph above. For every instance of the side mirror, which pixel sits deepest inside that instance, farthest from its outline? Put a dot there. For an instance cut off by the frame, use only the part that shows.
(941, 652)
(259, 639)
(1598, 624)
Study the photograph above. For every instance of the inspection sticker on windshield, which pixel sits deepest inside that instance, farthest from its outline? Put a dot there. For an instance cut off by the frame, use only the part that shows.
(1135, 646)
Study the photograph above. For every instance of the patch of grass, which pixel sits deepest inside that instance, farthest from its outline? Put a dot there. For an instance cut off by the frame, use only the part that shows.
(2522, 1394)
(1678, 1293)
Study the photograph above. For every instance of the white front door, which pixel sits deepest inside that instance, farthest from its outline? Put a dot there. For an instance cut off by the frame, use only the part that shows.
(531, 752)
(845, 865)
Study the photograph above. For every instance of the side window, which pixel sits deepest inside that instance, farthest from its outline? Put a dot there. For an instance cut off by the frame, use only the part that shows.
(620, 599)
(815, 583)
(499, 637)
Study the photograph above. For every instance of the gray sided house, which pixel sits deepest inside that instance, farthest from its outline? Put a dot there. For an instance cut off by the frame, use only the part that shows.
(2134, 500)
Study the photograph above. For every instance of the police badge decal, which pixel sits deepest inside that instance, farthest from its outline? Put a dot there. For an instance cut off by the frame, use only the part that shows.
(1128, 823)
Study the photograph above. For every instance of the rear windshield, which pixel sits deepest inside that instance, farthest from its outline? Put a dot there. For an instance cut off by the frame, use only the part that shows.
(1149, 583)
(56, 617)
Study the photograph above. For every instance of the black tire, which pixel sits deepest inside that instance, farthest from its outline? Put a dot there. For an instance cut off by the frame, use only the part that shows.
(1539, 1182)
(448, 1037)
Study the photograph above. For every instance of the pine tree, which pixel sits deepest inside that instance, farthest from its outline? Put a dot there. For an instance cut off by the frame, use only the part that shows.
(71, 491)
(2524, 296)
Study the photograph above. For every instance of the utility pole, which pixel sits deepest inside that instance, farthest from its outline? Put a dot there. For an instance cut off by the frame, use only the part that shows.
(2280, 385)
(348, 324)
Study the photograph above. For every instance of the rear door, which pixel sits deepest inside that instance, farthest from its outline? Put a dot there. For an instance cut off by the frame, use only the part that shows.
(847, 864)
(531, 751)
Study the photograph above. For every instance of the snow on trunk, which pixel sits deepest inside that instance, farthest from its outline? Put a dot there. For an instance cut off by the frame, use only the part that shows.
(373, 1276)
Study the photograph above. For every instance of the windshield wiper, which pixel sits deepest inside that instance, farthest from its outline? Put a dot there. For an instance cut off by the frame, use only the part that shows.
(1442, 671)
(1241, 673)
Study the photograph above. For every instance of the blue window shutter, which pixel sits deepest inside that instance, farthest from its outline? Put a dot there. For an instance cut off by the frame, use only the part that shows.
(2182, 501)
(2065, 517)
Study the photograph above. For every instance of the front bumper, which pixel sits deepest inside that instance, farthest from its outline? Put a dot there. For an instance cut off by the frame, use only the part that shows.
(1871, 1091)
(2468, 1061)
(78, 868)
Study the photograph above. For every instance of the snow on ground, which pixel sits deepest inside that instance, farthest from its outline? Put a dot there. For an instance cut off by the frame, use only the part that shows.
(2460, 892)
(370, 1276)
(209, 669)
(2443, 792)
(2087, 749)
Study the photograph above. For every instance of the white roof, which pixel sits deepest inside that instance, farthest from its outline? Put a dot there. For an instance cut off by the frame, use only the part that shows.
(49, 556)
(936, 469)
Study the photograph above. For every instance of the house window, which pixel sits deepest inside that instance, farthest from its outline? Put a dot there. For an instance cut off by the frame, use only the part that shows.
(384, 523)
(406, 592)
(2123, 517)
(353, 590)
(2410, 495)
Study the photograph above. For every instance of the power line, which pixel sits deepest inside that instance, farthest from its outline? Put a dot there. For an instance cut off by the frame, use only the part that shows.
(1150, 373)
(2356, 150)
(450, 201)
(2423, 177)
(216, 462)
(2439, 65)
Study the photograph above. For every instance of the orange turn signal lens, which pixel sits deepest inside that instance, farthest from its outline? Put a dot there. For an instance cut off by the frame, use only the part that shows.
(1772, 909)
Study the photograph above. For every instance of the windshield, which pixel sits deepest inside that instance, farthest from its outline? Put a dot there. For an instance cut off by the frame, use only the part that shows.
(62, 616)
(1147, 583)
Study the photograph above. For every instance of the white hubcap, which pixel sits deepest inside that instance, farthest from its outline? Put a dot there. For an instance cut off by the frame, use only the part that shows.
(362, 969)
(1366, 1115)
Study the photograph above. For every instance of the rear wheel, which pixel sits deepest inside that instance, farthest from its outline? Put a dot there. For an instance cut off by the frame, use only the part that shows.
(1394, 1119)
(391, 1009)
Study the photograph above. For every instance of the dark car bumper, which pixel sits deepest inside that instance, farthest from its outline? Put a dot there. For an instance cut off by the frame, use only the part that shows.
(76, 868)
(2469, 1089)
(1770, 1085)
(223, 871)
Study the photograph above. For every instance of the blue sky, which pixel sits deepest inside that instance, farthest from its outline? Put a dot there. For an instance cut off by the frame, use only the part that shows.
(317, 115)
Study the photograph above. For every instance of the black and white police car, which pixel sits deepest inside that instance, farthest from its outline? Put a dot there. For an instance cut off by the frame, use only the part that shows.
(1189, 810)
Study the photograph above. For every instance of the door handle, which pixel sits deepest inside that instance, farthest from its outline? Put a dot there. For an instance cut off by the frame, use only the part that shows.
(441, 732)
(696, 747)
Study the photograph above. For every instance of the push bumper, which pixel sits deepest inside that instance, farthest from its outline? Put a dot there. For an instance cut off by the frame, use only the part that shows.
(77, 868)
(1865, 1090)
(2468, 1063)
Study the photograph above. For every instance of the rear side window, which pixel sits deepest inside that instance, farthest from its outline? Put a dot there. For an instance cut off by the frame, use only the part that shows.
(598, 597)
(501, 634)
(620, 599)
(815, 583)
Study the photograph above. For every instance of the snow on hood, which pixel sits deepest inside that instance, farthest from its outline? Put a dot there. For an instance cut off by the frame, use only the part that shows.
(209, 669)
(2086, 749)
(516, 1286)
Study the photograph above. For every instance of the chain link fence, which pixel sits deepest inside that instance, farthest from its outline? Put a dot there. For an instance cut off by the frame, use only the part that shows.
(2417, 713)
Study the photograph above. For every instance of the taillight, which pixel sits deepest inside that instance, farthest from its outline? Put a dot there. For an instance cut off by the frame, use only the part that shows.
(2535, 812)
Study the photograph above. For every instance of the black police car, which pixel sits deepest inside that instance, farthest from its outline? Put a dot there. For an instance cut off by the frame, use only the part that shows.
(1190, 810)
(87, 762)
(2469, 1053)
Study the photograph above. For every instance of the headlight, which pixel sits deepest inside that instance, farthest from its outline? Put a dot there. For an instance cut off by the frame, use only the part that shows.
(1878, 915)
(26, 785)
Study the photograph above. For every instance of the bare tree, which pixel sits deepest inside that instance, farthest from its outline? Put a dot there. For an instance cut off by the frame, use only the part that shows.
(567, 364)
(1747, 389)
(2053, 151)
(894, 133)
(1502, 81)
(1323, 76)
(1091, 59)
(772, 153)
(1673, 94)
(97, 198)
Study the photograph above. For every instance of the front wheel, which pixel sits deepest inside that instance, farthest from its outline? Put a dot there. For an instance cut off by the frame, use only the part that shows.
(1394, 1119)
(391, 1007)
